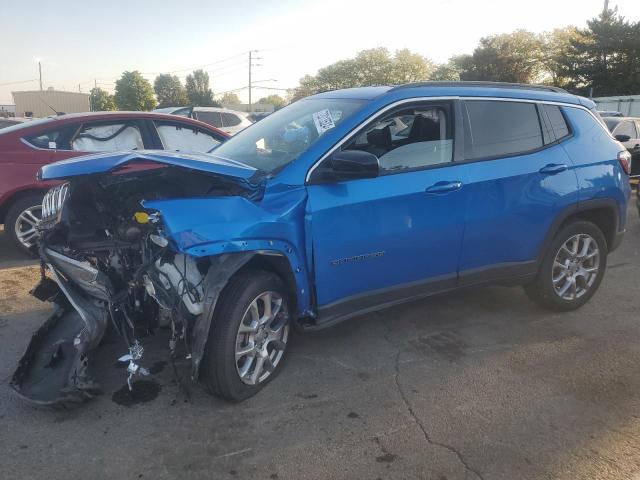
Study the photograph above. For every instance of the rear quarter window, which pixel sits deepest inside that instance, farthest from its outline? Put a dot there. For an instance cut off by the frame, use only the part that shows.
(558, 122)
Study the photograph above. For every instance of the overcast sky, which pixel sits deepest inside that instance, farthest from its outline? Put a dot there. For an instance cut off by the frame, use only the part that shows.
(78, 44)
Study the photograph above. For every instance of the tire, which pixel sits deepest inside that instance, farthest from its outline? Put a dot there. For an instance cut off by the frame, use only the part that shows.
(549, 293)
(222, 373)
(32, 202)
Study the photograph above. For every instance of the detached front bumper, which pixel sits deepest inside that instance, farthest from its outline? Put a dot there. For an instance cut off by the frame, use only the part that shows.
(55, 367)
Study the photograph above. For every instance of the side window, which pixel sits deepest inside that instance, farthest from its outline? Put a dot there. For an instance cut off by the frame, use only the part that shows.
(183, 138)
(107, 137)
(413, 138)
(230, 120)
(212, 118)
(182, 112)
(500, 128)
(558, 122)
(45, 140)
(626, 128)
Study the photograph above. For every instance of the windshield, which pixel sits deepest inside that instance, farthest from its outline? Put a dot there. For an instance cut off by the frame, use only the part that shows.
(283, 136)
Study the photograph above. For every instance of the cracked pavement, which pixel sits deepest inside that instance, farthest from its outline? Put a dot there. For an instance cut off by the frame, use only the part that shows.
(479, 384)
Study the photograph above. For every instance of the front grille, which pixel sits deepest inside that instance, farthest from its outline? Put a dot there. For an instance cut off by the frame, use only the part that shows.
(53, 201)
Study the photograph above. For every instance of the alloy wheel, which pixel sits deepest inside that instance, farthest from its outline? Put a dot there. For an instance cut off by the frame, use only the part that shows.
(25, 226)
(575, 267)
(262, 338)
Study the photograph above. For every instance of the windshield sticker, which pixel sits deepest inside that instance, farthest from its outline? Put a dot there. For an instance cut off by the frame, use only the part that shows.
(323, 121)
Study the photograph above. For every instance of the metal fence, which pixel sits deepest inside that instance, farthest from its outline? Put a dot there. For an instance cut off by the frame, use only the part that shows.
(628, 105)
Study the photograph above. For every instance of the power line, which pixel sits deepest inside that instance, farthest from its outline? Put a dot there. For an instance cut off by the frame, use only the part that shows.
(18, 82)
(197, 67)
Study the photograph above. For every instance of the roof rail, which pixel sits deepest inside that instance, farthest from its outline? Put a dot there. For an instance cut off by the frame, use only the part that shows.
(523, 86)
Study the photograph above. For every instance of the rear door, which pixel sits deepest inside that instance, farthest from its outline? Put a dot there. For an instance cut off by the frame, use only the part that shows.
(519, 179)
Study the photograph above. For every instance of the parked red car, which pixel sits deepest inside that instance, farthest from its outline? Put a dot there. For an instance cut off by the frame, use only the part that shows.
(26, 147)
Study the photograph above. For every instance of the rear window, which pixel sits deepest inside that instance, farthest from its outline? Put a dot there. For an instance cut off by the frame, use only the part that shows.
(499, 128)
(29, 124)
(212, 118)
(558, 123)
(44, 140)
(230, 120)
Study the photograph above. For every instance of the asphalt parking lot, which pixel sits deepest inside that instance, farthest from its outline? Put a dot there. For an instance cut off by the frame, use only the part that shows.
(480, 384)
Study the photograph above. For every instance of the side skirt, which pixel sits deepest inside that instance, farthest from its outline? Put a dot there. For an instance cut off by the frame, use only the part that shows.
(510, 274)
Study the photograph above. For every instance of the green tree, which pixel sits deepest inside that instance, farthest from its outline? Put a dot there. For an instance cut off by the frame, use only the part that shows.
(276, 100)
(170, 91)
(369, 67)
(509, 57)
(557, 47)
(134, 92)
(604, 57)
(230, 98)
(407, 67)
(101, 100)
(198, 91)
(446, 72)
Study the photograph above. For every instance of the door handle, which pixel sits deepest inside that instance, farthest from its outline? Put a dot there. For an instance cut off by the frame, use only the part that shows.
(553, 168)
(444, 187)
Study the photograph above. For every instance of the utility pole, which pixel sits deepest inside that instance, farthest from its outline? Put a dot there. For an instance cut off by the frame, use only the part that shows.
(606, 5)
(40, 71)
(251, 64)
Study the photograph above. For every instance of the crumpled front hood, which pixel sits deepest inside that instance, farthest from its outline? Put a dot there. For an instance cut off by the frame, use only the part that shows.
(106, 162)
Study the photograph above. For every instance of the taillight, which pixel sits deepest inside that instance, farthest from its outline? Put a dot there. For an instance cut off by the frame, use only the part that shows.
(624, 157)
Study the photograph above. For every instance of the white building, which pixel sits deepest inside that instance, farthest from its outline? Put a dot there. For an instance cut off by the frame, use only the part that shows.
(43, 103)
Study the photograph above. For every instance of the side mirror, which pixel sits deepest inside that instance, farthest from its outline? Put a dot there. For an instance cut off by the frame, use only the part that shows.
(623, 138)
(354, 164)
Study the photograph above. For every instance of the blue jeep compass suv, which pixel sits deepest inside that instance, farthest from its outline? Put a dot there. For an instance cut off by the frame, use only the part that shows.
(337, 205)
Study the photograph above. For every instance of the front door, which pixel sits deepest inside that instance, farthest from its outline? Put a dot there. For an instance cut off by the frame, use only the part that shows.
(382, 240)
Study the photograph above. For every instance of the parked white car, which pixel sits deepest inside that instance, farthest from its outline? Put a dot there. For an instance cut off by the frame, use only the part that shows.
(229, 121)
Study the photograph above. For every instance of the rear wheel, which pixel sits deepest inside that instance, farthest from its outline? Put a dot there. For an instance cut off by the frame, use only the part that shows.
(572, 269)
(248, 337)
(21, 220)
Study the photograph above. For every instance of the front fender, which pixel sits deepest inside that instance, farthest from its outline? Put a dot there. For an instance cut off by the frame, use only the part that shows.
(213, 226)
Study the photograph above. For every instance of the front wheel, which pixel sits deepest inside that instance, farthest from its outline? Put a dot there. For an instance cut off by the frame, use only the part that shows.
(572, 269)
(248, 337)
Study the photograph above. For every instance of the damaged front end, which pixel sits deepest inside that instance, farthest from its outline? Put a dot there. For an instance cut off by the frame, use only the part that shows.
(107, 262)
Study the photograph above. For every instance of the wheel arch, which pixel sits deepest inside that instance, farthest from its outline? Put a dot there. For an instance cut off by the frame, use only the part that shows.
(277, 264)
(18, 195)
(604, 213)
(223, 269)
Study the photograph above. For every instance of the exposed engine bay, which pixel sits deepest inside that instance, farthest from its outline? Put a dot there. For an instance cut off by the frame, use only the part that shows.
(107, 263)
